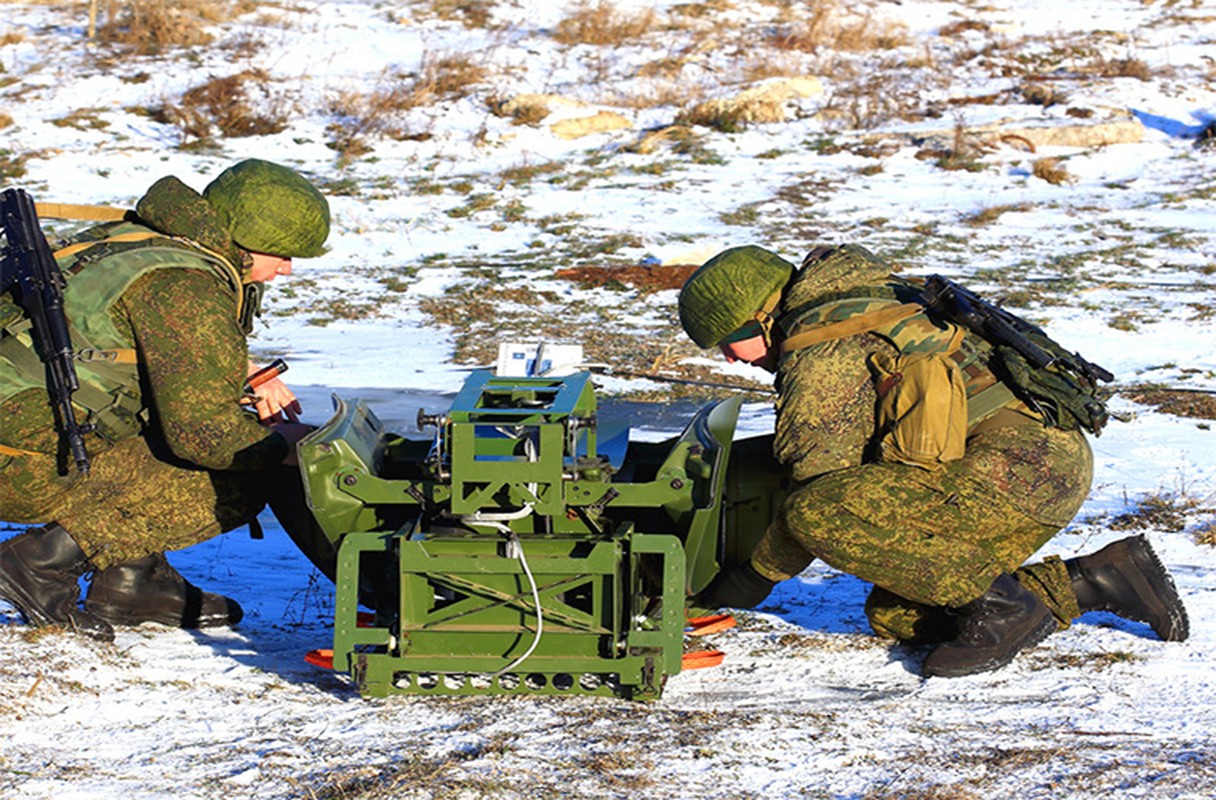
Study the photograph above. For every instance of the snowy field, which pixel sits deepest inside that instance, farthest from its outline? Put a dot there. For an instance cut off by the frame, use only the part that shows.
(1062, 155)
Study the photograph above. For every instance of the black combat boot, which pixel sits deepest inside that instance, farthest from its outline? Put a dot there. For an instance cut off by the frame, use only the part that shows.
(39, 570)
(736, 586)
(1126, 578)
(992, 629)
(149, 589)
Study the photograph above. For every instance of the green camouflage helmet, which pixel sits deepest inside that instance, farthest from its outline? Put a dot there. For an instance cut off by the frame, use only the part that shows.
(269, 208)
(728, 291)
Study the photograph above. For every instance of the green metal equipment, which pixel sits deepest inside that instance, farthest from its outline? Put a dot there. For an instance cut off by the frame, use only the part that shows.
(524, 548)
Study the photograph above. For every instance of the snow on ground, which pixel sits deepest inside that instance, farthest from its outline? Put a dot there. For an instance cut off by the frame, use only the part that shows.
(1117, 260)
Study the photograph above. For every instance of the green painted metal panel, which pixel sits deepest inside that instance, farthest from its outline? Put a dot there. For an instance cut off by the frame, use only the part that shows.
(529, 564)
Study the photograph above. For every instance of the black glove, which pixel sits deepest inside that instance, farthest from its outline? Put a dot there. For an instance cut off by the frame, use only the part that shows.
(736, 586)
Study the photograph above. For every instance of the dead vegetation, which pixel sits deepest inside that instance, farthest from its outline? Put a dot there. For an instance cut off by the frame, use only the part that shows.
(1197, 405)
(643, 277)
(766, 102)
(991, 214)
(231, 106)
(1051, 170)
(382, 112)
(472, 14)
(1121, 68)
(602, 24)
(963, 151)
(1159, 512)
(151, 26)
(831, 26)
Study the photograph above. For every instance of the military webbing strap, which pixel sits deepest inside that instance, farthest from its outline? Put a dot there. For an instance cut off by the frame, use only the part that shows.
(116, 355)
(80, 247)
(862, 323)
(765, 315)
(234, 274)
(114, 412)
(985, 393)
(73, 211)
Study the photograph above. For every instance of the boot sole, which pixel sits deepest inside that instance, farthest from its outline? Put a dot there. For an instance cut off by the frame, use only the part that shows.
(1159, 580)
(1037, 634)
(134, 621)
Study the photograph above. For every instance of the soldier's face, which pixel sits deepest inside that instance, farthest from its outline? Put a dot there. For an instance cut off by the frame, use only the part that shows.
(754, 351)
(266, 267)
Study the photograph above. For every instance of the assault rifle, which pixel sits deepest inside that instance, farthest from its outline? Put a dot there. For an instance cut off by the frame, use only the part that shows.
(958, 304)
(29, 270)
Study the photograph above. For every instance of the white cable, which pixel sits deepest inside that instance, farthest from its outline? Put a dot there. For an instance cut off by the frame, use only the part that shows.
(496, 521)
(540, 617)
(493, 520)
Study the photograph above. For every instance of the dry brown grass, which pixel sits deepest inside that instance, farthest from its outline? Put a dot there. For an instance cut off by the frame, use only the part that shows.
(1121, 68)
(149, 26)
(528, 111)
(441, 77)
(1051, 170)
(719, 115)
(450, 76)
(962, 26)
(232, 105)
(828, 25)
(963, 152)
(991, 214)
(601, 24)
(12, 165)
(1165, 512)
(1196, 405)
(1041, 93)
(472, 14)
(931, 792)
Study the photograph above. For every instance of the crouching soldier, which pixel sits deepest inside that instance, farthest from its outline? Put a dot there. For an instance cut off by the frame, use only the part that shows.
(925, 459)
(159, 305)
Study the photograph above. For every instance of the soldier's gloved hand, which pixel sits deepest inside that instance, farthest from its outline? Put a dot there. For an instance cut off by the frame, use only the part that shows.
(736, 586)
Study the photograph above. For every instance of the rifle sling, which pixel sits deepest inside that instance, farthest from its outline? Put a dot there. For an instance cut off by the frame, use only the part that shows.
(81, 212)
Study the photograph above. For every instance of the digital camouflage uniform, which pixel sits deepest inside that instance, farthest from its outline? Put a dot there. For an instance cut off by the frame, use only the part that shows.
(926, 538)
(187, 474)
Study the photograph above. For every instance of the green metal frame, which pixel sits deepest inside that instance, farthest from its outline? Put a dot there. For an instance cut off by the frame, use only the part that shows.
(462, 646)
(514, 470)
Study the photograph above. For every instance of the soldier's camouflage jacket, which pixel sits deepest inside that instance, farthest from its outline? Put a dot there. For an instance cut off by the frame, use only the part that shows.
(927, 538)
(165, 286)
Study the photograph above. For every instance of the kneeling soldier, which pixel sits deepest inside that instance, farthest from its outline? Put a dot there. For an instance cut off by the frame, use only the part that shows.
(920, 461)
(160, 302)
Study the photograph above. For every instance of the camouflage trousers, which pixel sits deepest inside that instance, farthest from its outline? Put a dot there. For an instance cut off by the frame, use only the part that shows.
(931, 540)
(133, 504)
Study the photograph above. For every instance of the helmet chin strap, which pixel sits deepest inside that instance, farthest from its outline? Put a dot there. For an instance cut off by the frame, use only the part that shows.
(765, 316)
